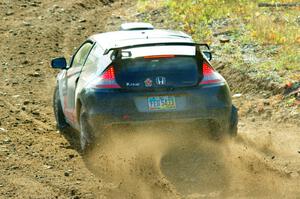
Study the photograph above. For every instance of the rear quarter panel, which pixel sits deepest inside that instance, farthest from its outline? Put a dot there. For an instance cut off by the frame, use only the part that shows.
(62, 86)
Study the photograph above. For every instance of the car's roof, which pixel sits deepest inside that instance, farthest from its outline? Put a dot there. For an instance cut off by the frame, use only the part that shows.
(132, 37)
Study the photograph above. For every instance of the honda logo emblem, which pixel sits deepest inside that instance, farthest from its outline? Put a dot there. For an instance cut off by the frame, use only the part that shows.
(161, 81)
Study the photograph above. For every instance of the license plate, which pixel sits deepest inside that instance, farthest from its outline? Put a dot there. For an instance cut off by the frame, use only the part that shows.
(161, 103)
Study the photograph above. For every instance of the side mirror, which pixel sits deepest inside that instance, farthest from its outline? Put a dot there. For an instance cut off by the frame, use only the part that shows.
(60, 63)
(208, 55)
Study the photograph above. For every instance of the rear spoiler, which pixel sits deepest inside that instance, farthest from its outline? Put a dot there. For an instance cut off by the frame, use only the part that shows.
(156, 44)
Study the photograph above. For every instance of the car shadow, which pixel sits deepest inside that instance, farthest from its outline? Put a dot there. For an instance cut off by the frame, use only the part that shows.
(72, 136)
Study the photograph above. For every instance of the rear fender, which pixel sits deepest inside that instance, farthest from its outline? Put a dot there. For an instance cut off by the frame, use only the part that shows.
(61, 86)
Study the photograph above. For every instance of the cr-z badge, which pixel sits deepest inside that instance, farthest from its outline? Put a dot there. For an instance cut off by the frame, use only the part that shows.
(131, 84)
(148, 82)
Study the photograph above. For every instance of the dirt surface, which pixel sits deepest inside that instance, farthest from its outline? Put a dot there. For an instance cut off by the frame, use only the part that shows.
(37, 161)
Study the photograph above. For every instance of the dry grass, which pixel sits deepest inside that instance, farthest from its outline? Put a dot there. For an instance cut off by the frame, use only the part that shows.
(274, 29)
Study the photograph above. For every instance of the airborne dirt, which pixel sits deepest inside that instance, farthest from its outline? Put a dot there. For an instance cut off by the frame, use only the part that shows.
(175, 161)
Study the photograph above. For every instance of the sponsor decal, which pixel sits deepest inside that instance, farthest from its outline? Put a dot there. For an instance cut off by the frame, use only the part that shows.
(148, 82)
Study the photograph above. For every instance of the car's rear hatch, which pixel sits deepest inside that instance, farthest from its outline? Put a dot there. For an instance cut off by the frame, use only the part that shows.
(157, 79)
(148, 69)
(156, 72)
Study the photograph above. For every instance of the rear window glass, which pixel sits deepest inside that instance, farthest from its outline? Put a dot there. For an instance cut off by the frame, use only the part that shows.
(179, 71)
(169, 65)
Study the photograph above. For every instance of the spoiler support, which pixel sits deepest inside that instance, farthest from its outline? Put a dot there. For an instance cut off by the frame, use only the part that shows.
(157, 44)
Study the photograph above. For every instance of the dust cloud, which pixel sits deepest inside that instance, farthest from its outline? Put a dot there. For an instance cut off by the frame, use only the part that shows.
(181, 161)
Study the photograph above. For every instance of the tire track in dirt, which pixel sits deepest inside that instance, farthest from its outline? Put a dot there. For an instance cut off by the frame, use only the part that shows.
(25, 116)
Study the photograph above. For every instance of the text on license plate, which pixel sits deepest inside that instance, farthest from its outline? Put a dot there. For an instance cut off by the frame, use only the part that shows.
(161, 103)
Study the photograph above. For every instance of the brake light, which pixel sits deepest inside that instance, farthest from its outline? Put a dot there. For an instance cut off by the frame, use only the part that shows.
(210, 76)
(158, 56)
(106, 80)
(207, 70)
(109, 74)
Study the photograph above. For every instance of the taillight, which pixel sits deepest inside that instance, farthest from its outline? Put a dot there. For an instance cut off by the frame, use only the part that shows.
(210, 76)
(109, 74)
(106, 80)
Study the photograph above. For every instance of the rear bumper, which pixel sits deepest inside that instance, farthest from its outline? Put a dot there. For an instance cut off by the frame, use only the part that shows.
(203, 103)
(219, 115)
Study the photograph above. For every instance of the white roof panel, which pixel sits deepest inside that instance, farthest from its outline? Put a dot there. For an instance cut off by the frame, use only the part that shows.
(123, 38)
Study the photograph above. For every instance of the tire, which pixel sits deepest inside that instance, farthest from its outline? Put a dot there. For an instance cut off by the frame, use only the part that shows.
(61, 123)
(233, 128)
(86, 133)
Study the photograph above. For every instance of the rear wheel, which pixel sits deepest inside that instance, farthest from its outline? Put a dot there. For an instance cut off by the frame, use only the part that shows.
(86, 133)
(61, 123)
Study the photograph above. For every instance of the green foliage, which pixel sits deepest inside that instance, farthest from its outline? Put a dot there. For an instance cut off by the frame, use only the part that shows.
(197, 15)
(264, 26)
